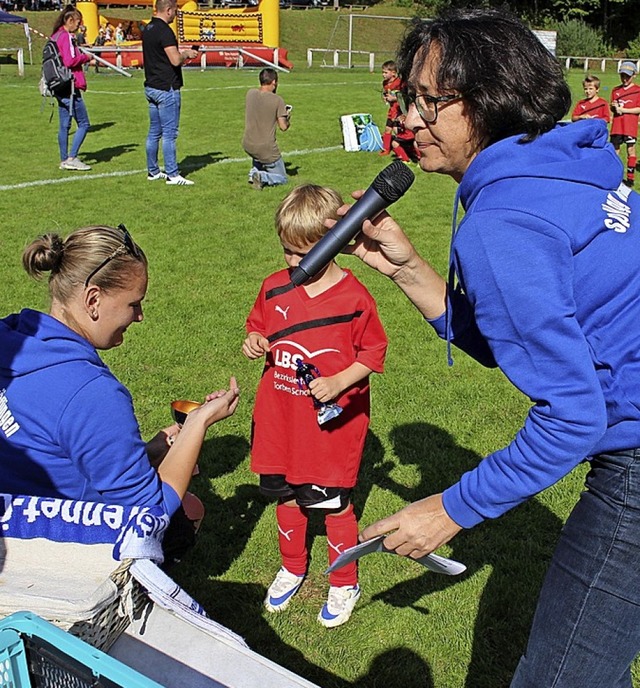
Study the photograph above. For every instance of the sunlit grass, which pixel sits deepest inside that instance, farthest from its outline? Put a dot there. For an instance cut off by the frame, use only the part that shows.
(209, 247)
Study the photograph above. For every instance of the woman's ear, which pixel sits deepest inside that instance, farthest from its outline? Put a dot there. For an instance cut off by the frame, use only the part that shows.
(92, 301)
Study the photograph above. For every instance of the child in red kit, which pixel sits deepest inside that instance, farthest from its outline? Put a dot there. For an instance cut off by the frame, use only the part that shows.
(391, 87)
(402, 142)
(330, 325)
(625, 105)
(592, 106)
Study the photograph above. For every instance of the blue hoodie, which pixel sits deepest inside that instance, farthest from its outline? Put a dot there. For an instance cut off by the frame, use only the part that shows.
(67, 426)
(548, 263)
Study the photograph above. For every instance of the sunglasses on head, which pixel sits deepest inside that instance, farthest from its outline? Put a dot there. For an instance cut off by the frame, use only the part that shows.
(128, 246)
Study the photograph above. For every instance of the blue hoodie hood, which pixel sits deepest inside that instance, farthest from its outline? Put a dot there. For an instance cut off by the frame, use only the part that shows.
(579, 152)
(33, 341)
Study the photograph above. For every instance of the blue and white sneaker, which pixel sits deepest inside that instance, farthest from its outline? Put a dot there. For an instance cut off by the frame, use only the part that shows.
(339, 605)
(285, 585)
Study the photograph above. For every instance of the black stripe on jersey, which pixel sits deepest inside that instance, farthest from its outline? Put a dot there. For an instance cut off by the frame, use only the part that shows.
(311, 324)
(276, 291)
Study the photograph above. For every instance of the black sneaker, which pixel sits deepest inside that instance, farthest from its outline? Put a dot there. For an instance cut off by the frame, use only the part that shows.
(629, 183)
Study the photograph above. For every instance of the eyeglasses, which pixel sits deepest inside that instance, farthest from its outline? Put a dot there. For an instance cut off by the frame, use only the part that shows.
(127, 247)
(426, 105)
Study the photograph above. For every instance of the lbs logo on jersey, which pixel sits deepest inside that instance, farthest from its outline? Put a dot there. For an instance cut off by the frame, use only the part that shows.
(288, 353)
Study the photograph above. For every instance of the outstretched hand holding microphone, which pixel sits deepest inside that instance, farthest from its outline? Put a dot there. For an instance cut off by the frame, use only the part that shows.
(392, 183)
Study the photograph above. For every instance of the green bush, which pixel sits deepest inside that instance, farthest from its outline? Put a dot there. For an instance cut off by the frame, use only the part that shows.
(633, 49)
(575, 38)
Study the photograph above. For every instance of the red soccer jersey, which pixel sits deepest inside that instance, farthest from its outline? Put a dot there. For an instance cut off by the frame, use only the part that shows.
(394, 87)
(331, 331)
(598, 109)
(627, 97)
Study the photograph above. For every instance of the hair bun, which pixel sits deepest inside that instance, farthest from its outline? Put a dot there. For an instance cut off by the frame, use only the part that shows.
(44, 254)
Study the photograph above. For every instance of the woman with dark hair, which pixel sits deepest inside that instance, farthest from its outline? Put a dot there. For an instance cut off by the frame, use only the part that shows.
(71, 104)
(73, 433)
(543, 283)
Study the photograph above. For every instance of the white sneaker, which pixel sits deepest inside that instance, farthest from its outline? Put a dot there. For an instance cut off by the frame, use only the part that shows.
(156, 177)
(178, 180)
(74, 164)
(285, 585)
(339, 605)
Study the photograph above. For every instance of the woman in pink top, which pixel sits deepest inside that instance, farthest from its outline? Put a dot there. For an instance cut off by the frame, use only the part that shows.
(71, 105)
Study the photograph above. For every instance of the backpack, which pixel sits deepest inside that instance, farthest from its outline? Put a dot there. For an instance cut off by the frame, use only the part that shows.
(359, 133)
(57, 79)
(370, 139)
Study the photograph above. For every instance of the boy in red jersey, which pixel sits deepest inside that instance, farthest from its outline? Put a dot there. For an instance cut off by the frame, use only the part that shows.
(402, 142)
(332, 324)
(625, 105)
(391, 87)
(592, 106)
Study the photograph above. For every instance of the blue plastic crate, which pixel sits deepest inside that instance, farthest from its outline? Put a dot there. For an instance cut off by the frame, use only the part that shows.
(37, 654)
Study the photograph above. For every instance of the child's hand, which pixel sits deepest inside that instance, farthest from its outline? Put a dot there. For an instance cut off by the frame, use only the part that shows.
(325, 389)
(255, 346)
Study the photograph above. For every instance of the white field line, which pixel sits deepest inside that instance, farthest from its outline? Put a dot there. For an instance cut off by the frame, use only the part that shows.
(129, 173)
(244, 87)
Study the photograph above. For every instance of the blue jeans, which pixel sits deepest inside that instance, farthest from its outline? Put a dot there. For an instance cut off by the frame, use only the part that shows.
(586, 629)
(66, 115)
(164, 118)
(271, 173)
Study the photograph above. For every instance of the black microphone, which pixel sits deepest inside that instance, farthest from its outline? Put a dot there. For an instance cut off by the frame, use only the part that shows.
(394, 181)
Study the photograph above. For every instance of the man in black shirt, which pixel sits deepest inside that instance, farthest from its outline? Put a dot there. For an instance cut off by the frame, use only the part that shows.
(163, 80)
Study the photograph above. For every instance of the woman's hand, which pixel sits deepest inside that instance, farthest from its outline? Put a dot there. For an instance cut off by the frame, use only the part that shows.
(381, 244)
(217, 406)
(176, 470)
(420, 528)
(255, 346)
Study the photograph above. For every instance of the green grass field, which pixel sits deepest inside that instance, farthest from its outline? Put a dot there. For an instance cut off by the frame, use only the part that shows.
(209, 247)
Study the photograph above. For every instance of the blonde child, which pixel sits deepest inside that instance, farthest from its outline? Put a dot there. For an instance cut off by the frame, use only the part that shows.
(331, 323)
(592, 106)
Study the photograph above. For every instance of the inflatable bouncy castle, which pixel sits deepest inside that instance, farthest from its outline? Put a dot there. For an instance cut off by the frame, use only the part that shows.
(231, 37)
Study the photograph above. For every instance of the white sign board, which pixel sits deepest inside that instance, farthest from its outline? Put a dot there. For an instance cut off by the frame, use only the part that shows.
(548, 39)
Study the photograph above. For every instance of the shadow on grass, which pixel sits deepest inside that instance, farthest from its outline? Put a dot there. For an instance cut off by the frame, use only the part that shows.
(108, 154)
(225, 601)
(389, 668)
(292, 170)
(517, 548)
(101, 126)
(229, 521)
(198, 162)
(394, 668)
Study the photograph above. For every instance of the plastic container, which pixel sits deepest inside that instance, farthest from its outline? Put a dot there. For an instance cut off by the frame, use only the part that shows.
(37, 654)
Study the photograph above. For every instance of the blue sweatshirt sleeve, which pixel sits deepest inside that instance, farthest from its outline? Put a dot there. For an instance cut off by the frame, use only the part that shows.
(465, 333)
(517, 275)
(99, 431)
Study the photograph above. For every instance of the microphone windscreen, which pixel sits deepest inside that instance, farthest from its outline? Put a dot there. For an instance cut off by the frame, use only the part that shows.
(393, 182)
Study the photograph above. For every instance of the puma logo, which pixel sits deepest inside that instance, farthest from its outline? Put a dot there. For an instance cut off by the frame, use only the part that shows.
(336, 548)
(284, 312)
(285, 534)
(320, 489)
